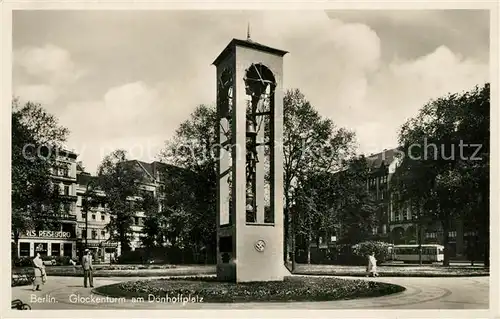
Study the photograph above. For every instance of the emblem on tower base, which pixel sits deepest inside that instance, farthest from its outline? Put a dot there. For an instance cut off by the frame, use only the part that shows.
(260, 245)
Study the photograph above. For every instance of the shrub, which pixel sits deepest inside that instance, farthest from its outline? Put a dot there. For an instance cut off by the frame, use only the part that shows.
(381, 250)
(62, 260)
(132, 257)
(22, 262)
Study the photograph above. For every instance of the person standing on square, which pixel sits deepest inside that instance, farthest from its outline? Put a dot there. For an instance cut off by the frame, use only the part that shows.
(87, 269)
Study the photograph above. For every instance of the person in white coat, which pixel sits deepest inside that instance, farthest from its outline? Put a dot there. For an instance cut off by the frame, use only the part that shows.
(372, 265)
(39, 272)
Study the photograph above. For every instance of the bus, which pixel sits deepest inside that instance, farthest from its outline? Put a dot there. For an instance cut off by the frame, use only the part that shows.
(409, 253)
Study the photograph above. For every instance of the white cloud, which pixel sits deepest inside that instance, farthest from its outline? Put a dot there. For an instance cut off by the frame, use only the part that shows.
(357, 45)
(399, 90)
(133, 116)
(50, 64)
(40, 93)
(49, 70)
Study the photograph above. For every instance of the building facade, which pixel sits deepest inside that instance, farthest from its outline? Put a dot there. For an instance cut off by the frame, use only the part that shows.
(398, 223)
(61, 239)
(77, 228)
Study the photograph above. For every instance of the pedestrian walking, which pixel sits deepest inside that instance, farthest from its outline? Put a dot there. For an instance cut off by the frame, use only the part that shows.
(39, 270)
(87, 269)
(372, 265)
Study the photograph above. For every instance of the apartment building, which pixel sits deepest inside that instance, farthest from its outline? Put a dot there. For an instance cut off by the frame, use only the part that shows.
(92, 231)
(61, 239)
(77, 228)
(398, 223)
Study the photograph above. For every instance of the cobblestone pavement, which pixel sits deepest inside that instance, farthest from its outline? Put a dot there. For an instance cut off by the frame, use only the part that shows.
(421, 293)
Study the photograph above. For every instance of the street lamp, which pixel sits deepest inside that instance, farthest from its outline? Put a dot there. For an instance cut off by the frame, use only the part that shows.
(86, 208)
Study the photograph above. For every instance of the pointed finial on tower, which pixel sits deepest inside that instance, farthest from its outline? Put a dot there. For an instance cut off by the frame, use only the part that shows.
(248, 32)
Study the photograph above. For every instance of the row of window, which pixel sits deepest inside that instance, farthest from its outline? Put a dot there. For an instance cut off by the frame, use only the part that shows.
(382, 180)
(93, 216)
(414, 251)
(94, 233)
(137, 221)
(79, 203)
(401, 217)
(61, 170)
(451, 234)
(42, 248)
(63, 189)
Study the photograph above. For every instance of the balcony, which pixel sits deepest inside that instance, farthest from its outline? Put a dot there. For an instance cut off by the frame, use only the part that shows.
(60, 217)
(66, 178)
(72, 198)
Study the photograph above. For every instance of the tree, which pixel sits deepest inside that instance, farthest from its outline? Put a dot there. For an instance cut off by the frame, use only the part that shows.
(192, 207)
(36, 139)
(337, 201)
(357, 206)
(119, 179)
(154, 222)
(311, 143)
(442, 184)
(314, 208)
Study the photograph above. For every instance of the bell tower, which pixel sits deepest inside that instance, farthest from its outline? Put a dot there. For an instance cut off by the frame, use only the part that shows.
(250, 162)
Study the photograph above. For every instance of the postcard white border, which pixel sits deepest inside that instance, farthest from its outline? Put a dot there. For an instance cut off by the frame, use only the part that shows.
(6, 85)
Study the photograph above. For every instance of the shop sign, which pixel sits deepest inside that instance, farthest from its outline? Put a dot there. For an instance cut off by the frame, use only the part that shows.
(48, 234)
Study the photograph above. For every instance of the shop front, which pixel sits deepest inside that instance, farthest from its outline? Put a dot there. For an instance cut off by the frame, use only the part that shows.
(102, 251)
(47, 243)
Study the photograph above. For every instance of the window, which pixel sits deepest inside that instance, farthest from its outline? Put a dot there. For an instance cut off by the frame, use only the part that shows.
(94, 234)
(93, 216)
(103, 217)
(103, 233)
(67, 208)
(41, 248)
(68, 250)
(84, 215)
(452, 234)
(136, 220)
(66, 189)
(55, 249)
(24, 249)
(65, 171)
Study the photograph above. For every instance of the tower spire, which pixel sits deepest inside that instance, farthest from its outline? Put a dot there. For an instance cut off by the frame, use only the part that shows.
(248, 32)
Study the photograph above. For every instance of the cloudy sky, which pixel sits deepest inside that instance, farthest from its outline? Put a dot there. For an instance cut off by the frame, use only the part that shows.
(127, 79)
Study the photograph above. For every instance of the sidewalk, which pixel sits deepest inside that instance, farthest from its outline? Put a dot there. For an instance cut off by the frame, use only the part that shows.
(393, 270)
(421, 293)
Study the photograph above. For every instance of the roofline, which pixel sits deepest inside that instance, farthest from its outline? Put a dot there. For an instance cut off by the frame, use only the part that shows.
(140, 164)
(247, 44)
